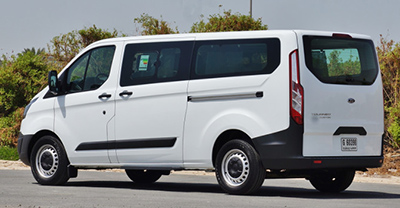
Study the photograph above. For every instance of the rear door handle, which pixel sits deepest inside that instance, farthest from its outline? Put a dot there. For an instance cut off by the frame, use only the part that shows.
(350, 130)
(125, 93)
(104, 95)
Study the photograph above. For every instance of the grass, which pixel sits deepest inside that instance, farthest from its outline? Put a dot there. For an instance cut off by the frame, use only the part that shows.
(8, 153)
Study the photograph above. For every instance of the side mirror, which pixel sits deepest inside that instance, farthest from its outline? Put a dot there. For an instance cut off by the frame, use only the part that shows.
(53, 82)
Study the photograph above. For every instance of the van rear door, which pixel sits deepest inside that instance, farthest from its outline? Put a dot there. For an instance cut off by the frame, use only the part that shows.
(343, 105)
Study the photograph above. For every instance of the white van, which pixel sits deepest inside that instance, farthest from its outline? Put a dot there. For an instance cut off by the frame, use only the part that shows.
(249, 105)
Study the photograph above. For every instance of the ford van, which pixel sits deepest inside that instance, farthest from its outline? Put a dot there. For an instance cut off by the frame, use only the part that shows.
(248, 105)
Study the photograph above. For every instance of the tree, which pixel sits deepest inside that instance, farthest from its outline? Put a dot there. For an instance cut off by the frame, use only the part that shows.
(228, 22)
(93, 34)
(33, 50)
(153, 26)
(65, 47)
(389, 60)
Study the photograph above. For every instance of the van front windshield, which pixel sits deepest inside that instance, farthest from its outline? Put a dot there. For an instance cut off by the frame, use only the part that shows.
(336, 60)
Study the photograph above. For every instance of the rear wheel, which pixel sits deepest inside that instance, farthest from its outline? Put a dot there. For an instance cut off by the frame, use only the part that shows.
(144, 176)
(238, 168)
(49, 162)
(333, 181)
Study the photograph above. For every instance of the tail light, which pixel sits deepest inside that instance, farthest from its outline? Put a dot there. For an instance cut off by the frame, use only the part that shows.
(296, 90)
(340, 35)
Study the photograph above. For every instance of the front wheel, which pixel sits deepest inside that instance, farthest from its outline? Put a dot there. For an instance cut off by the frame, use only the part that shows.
(238, 168)
(332, 181)
(49, 162)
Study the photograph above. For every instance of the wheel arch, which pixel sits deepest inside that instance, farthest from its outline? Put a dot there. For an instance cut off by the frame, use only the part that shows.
(227, 136)
(36, 138)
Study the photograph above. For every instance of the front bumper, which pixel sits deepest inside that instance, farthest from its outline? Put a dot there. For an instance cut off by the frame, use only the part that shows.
(23, 148)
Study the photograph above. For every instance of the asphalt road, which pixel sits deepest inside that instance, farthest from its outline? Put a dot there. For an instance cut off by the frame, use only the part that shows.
(114, 189)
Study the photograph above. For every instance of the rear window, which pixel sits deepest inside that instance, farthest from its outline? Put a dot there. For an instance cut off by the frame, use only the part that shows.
(341, 60)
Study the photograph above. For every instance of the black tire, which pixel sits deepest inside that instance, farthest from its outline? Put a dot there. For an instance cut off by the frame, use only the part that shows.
(49, 162)
(144, 176)
(238, 168)
(333, 181)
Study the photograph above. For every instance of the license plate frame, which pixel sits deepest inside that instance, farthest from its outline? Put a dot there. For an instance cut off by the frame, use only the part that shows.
(349, 144)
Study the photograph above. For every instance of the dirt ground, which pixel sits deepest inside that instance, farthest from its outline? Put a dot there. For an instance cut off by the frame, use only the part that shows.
(391, 164)
(389, 173)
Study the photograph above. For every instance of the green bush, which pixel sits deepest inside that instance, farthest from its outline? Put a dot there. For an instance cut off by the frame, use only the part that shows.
(154, 26)
(389, 61)
(394, 124)
(228, 22)
(9, 128)
(21, 77)
(394, 130)
(8, 153)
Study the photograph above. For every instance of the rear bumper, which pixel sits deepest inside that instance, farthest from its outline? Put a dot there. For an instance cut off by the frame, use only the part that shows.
(309, 163)
(284, 150)
(23, 147)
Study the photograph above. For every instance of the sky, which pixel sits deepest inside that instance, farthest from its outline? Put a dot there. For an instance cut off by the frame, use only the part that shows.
(27, 23)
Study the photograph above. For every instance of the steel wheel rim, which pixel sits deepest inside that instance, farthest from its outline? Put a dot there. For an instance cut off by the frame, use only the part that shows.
(235, 167)
(47, 161)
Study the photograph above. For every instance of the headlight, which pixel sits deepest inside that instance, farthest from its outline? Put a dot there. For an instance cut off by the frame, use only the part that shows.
(28, 106)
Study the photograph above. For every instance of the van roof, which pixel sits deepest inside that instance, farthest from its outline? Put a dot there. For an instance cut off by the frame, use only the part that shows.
(225, 35)
(208, 35)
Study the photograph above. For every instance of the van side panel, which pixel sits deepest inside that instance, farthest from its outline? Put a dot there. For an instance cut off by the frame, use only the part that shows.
(217, 105)
(82, 119)
(153, 114)
(206, 120)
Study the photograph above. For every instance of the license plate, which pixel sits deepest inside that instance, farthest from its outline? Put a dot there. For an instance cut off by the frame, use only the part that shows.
(349, 144)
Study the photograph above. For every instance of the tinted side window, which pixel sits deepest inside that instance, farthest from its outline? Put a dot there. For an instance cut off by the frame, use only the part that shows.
(76, 74)
(91, 70)
(155, 62)
(99, 67)
(235, 57)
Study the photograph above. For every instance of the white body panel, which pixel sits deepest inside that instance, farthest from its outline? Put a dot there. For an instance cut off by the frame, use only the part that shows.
(206, 120)
(40, 117)
(84, 117)
(152, 111)
(324, 117)
(79, 118)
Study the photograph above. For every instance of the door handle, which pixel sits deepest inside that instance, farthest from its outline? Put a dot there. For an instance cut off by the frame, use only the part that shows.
(125, 93)
(104, 95)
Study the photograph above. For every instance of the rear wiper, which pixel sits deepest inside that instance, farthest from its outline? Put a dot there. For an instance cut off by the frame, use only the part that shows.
(349, 79)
